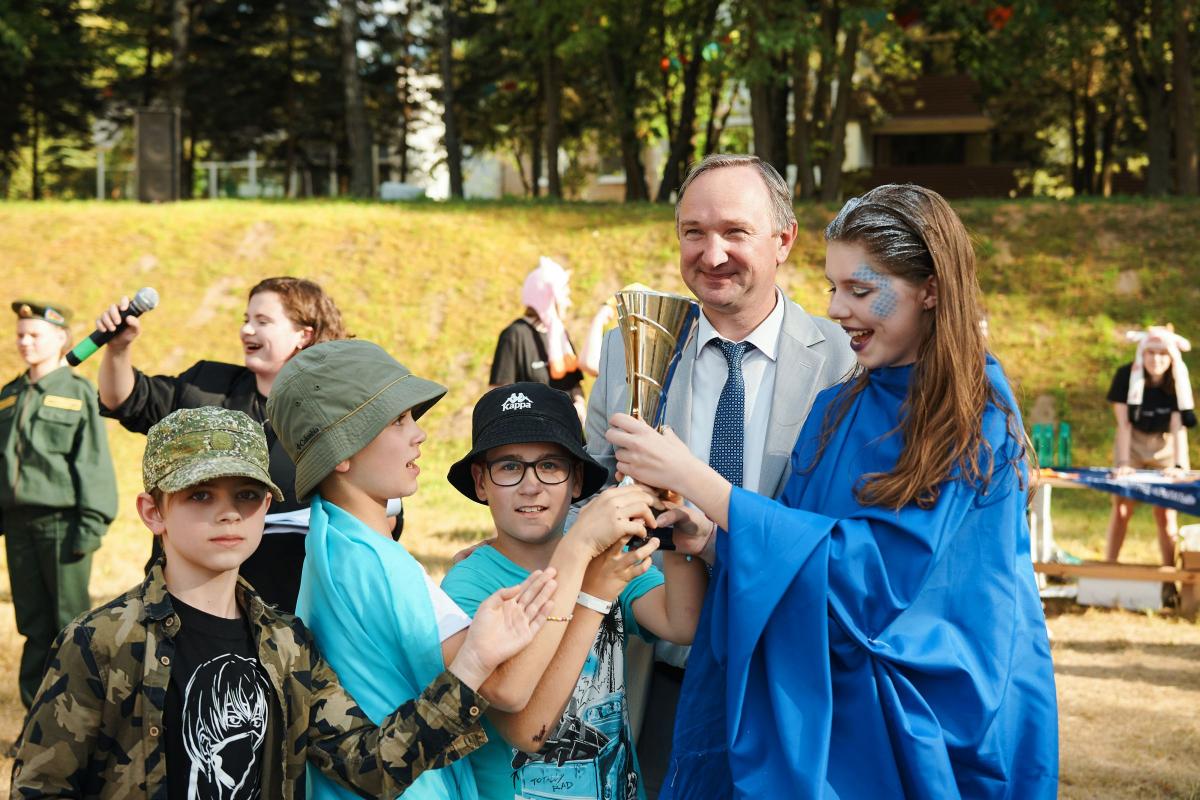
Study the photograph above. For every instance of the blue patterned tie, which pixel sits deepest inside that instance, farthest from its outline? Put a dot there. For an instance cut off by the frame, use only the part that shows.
(725, 450)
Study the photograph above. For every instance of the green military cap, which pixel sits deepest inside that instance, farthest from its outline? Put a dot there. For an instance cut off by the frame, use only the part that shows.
(53, 313)
(194, 445)
(332, 399)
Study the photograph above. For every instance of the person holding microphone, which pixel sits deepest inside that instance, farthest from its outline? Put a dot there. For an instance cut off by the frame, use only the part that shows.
(283, 316)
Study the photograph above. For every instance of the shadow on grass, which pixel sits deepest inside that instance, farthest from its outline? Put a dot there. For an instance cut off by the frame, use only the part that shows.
(1130, 673)
(1186, 651)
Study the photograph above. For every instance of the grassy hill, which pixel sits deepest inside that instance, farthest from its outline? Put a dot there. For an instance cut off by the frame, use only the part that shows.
(435, 283)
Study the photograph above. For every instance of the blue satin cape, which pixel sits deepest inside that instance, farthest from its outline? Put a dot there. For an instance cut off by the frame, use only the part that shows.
(365, 600)
(849, 651)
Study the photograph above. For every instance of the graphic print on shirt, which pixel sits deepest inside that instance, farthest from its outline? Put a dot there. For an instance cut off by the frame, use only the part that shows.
(589, 754)
(225, 711)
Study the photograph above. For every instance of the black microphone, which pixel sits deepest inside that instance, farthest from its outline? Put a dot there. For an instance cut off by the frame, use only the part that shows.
(142, 302)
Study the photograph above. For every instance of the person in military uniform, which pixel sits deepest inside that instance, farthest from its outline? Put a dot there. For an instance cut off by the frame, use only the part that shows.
(189, 685)
(59, 492)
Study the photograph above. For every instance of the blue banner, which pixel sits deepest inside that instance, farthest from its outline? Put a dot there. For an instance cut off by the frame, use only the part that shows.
(1146, 486)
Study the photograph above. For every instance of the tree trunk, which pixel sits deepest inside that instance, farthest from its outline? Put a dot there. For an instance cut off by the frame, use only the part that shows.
(552, 86)
(1073, 134)
(535, 161)
(1088, 166)
(148, 68)
(358, 131)
(710, 128)
(181, 15)
(831, 172)
(449, 115)
(1158, 141)
(682, 146)
(35, 188)
(768, 114)
(1107, 147)
(624, 105)
(289, 102)
(823, 89)
(180, 27)
(1150, 82)
(806, 185)
(1187, 168)
(187, 174)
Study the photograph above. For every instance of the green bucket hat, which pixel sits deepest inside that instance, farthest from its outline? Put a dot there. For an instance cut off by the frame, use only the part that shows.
(332, 399)
(194, 445)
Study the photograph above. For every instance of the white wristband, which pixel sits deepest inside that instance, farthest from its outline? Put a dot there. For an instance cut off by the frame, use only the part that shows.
(594, 603)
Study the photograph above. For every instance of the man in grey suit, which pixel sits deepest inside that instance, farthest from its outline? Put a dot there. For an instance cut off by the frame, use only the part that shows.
(736, 225)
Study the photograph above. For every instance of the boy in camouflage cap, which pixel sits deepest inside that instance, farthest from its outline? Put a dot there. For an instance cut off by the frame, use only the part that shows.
(190, 686)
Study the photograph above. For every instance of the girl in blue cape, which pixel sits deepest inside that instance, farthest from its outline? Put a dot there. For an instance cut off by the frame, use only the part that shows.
(876, 631)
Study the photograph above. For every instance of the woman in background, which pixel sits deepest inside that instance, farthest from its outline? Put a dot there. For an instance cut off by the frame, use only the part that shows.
(283, 316)
(1152, 402)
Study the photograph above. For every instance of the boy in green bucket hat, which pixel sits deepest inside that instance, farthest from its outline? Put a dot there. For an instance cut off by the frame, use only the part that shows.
(190, 686)
(347, 413)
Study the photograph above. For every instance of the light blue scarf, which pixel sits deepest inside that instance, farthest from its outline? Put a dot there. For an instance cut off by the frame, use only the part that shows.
(364, 599)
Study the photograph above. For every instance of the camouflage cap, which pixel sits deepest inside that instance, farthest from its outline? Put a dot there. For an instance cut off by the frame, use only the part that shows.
(53, 313)
(194, 445)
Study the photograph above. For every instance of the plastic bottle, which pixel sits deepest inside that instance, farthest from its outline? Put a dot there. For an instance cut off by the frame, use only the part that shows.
(1064, 445)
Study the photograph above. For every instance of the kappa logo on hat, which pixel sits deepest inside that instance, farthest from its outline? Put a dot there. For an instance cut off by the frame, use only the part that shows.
(516, 401)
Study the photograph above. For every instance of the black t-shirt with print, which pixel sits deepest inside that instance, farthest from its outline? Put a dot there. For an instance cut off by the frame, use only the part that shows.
(1154, 414)
(218, 704)
(521, 355)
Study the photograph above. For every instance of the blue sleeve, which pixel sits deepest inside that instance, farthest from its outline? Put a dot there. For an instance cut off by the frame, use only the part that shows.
(468, 585)
(651, 579)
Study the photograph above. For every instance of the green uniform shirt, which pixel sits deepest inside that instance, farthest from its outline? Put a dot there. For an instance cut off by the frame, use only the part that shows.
(95, 728)
(54, 451)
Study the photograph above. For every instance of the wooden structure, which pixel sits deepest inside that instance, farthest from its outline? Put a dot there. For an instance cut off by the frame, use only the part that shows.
(1186, 578)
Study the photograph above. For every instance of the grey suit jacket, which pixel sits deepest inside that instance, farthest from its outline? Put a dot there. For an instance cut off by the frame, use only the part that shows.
(813, 354)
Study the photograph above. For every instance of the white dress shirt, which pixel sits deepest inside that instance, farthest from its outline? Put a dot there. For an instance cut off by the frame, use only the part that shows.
(758, 373)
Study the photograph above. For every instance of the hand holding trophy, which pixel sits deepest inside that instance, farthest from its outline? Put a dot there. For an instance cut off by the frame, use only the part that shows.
(655, 328)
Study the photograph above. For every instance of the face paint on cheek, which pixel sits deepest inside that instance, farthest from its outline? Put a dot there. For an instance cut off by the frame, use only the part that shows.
(885, 300)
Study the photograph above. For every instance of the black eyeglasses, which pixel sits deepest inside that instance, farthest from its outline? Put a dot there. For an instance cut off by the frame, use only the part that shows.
(511, 471)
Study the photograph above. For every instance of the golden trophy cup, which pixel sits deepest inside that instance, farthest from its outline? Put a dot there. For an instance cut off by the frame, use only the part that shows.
(655, 328)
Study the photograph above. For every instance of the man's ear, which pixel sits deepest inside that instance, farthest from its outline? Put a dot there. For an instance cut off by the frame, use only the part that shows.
(306, 336)
(477, 475)
(151, 514)
(342, 466)
(787, 238)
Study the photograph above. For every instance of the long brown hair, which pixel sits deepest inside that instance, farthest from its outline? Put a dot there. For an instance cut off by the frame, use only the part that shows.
(307, 305)
(914, 234)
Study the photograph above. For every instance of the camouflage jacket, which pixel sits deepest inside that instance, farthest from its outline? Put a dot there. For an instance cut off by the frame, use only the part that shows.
(95, 728)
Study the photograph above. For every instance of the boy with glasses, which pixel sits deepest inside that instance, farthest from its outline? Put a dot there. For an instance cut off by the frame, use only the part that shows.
(527, 463)
(348, 414)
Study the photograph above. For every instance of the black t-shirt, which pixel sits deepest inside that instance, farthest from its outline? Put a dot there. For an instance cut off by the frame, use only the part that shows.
(1154, 414)
(522, 355)
(218, 704)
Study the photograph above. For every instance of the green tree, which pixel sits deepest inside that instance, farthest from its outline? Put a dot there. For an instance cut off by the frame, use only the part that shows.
(47, 63)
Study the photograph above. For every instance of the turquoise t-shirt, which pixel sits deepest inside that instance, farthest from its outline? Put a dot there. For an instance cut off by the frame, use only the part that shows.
(365, 600)
(590, 754)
